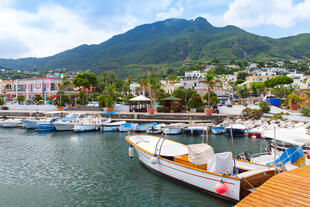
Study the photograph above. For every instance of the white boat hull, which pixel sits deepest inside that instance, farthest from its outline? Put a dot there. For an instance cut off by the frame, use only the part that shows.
(199, 179)
(30, 124)
(172, 131)
(64, 126)
(12, 124)
(85, 127)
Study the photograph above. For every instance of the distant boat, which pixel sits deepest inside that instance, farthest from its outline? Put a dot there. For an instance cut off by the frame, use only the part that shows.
(67, 123)
(113, 126)
(173, 129)
(90, 124)
(144, 127)
(194, 130)
(238, 130)
(157, 129)
(218, 130)
(30, 123)
(255, 132)
(12, 123)
(127, 127)
(47, 125)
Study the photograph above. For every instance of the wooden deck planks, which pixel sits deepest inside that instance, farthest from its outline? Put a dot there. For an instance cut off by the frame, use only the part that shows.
(285, 189)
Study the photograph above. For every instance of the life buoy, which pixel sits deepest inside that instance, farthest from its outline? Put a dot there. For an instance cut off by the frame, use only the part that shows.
(307, 152)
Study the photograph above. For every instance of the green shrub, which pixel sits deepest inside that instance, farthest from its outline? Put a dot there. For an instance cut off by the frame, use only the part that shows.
(264, 106)
(159, 109)
(305, 111)
(1, 101)
(200, 110)
(195, 101)
(252, 113)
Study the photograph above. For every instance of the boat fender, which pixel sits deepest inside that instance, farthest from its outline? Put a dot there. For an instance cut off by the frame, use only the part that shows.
(221, 187)
(131, 151)
(154, 160)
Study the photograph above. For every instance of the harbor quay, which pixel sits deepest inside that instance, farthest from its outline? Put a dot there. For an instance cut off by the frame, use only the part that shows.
(127, 116)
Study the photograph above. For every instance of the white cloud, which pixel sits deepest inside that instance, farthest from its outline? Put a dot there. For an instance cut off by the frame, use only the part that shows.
(50, 30)
(172, 12)
(281, 13)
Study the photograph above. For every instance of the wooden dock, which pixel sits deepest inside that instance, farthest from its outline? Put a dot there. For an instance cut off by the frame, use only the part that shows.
(291, 188)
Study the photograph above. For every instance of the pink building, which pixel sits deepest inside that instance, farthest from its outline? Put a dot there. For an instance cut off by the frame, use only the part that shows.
(29, 87)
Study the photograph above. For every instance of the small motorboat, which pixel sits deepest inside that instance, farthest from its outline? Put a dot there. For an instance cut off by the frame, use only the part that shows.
(255, 132)
(112, 127)
(173, 129)
(157, 129)
(67, 123)
(30, 123)
(198, 166)
(11, 123)
(144, 127)
(127, 127)
(194, 130)
(218, 130)
(90, 124)
(47, 125)
(238, 130)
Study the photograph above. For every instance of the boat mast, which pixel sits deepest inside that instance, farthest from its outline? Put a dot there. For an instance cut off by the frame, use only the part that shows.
(233, 148)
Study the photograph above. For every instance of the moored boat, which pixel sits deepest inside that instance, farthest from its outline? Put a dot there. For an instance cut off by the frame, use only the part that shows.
(30, 124)
(218, 130)
(127, 127)
(173, 129)
(67, 123)
(12, 123)
(255, 132)
(157, 129)
(88, 124)
(112, 127)
(197, 165)
(144, 127)
(46, 125)
(194, 130)
(238, 130)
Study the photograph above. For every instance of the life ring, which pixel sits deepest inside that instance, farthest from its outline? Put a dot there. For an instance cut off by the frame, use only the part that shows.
(307, 152)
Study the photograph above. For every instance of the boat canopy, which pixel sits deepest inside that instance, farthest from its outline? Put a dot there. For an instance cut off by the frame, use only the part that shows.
(140, 98)
(200, 154)
(295, 136)
(149, 143)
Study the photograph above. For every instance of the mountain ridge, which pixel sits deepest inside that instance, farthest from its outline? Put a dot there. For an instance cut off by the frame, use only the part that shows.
(169, 42)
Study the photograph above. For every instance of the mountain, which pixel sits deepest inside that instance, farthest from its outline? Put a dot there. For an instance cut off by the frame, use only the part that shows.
(168, 43)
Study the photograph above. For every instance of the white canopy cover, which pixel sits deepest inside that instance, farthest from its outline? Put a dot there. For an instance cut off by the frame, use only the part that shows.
(296, 136)
(199, 154)
(221, 163)
(140, 98)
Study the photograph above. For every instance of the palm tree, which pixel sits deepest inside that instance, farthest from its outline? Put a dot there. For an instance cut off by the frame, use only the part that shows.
(211, 82)
(62, 86)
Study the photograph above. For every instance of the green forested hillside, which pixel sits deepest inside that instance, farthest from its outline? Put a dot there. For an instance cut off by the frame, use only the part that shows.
(168, 43)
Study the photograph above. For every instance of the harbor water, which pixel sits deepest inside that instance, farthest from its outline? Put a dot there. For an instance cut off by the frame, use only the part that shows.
(93, 169)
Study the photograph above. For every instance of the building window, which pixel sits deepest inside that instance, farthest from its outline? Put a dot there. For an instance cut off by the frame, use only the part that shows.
(53, 88)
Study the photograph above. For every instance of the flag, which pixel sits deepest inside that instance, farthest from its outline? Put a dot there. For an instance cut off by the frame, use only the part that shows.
(61, 75)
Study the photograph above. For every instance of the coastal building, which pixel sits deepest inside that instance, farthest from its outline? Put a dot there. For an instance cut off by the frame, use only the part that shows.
(6, 86)
(260, 76)
(29, 87)
(170, 85)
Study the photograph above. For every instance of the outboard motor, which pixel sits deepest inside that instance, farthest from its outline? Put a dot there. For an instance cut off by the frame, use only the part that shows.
(244, 156)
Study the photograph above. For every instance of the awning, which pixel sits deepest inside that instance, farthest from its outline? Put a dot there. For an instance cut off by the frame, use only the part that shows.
(140, 98)
(171, 98)
(295, 136)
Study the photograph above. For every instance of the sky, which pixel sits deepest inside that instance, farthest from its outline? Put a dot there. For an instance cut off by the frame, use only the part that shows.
(40, 28)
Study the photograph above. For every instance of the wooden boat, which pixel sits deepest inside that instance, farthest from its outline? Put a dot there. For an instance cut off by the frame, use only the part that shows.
(198, 166)
(218, 130)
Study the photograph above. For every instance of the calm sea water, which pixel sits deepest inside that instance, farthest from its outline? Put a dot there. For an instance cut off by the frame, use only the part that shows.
(92, 169)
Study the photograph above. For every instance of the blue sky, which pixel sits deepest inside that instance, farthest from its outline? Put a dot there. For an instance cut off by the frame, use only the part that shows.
(42, 28)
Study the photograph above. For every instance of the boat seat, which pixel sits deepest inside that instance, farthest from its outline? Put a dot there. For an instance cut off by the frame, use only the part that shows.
(183, 159)
(253, 172)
